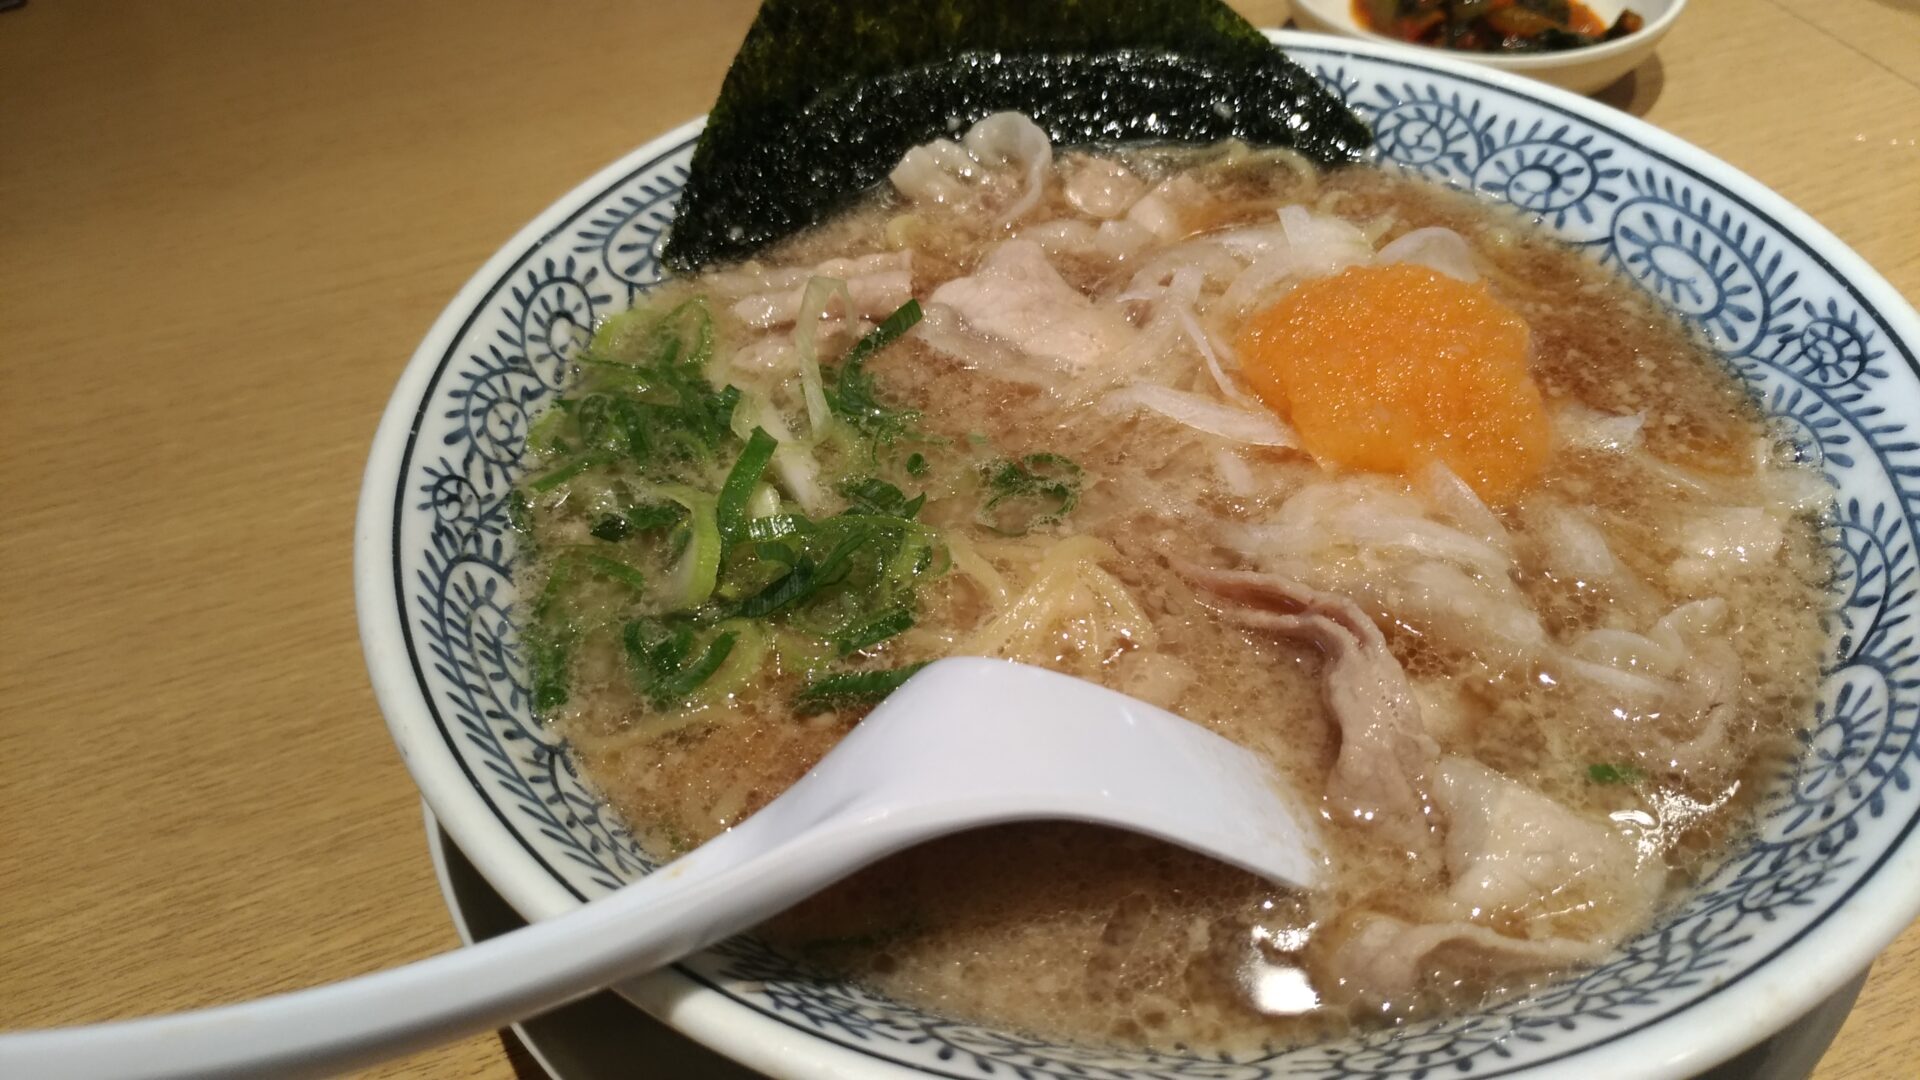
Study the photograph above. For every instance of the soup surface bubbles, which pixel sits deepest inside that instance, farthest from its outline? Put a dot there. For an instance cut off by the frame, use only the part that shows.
(1480, 547)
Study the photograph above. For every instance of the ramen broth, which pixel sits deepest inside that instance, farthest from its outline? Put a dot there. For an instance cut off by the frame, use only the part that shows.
(1607, 661)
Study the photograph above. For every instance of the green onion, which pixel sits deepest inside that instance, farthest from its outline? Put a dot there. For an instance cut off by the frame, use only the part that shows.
(1615, 774)
(557, 581)
(730, 512)
(654, 516)
(662, 661)
(815, 298)
(914, 558)
(853, 396)
(851, 689)
(612, 528)
(1027, 492)
(775, 526)
(874, 496)
(777, 551)
(568, 471)
(643, 392)
(742, 661)
(548, 659)
(666, 471)
(890, 330)
(800, 652)
(752, 568)
(615, 569)
(541, 434)
(873, 631)
(655, 649)
(839, 560)
(698, 570)
(519, 511)
(627, 378)
(676, 688)
(797, 584)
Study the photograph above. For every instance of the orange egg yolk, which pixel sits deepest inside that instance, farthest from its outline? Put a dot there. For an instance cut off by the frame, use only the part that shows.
(1389, 368)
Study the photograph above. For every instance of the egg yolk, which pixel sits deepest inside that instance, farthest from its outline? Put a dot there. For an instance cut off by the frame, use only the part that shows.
(1389, 368)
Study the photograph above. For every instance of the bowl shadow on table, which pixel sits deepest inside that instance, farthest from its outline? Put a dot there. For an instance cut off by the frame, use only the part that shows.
(1636, 91)
(604, 1036)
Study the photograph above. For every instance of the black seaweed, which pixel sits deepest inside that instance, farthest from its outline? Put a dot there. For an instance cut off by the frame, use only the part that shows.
(824, 97)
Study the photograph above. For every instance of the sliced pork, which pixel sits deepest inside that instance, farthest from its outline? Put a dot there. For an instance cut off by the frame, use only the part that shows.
(1016, 296)
(1001, 164)
(1512, 850)
(1385, 753)
(1562, 889)
(1386, 956)
(877, 284)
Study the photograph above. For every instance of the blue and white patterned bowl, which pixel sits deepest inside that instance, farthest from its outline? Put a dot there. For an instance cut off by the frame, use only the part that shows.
(1826, 343)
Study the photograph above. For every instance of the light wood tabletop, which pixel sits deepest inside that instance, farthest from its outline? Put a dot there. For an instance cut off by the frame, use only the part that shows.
(224, 225)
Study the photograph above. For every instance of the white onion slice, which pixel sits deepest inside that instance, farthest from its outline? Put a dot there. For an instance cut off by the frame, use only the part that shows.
(1323, 244)
(1434, 248)
(1204, 344)
(1203, 414)
(1452, 498)
(1579, 428)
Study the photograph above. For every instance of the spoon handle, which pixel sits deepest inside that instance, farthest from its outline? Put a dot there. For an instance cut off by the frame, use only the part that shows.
(726, 886)
(966, 742)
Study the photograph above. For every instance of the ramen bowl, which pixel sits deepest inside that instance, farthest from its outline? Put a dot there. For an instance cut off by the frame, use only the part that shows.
(1831, 875)
(1582, 71)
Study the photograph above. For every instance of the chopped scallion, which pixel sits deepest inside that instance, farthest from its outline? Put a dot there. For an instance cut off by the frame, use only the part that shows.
(852, 395)
(615, 570)
(1027, 492)
(730, 512)
(874, 631)
(851, 689)
(1615, 774)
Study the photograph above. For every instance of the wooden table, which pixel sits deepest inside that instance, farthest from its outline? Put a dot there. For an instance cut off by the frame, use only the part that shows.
(224, 226)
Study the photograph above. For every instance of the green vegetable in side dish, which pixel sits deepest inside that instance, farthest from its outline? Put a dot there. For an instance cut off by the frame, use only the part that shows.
(1514, 26)
(824, 97)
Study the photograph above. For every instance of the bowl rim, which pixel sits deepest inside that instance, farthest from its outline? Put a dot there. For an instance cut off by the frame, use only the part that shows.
(1737, 1013)
(1644, 38)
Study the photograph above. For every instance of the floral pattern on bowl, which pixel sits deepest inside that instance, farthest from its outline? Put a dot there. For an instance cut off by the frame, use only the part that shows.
(1825, 344)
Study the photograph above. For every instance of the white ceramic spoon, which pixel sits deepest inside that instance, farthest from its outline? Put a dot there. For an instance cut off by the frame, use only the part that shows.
(965, 743)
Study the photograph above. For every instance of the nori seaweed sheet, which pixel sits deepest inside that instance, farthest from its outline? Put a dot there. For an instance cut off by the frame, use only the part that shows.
(825, 95)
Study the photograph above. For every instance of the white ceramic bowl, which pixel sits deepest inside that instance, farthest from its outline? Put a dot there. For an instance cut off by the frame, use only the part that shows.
(1580, 70)
(1826, 344)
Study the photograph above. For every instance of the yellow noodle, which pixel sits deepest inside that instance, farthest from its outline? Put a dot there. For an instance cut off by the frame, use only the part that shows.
(968, 561)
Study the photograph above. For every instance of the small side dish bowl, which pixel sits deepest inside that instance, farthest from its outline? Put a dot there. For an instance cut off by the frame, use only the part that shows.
(1582, 71)
(1831, 875)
